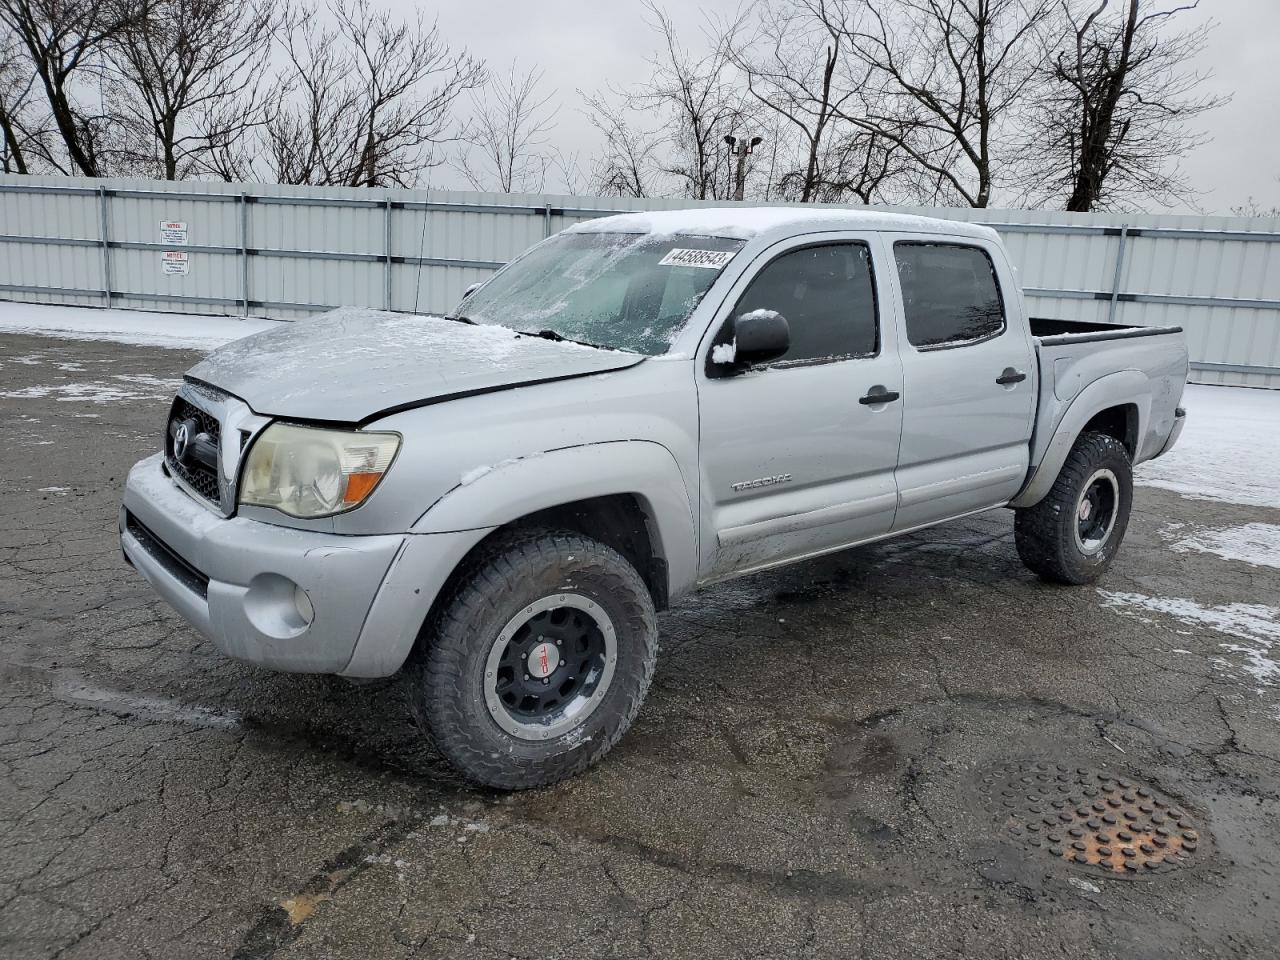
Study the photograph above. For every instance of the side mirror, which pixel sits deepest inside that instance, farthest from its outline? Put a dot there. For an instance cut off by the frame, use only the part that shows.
(760, 336)
(471, 289)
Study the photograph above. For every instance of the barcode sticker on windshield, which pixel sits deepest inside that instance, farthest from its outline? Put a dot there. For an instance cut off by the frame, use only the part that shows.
(711, 259)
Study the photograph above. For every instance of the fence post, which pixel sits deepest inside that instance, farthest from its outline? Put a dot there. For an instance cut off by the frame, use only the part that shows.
(104, 231)
(1115, 280)
(244, 251)
(546, 220)
(386, 295)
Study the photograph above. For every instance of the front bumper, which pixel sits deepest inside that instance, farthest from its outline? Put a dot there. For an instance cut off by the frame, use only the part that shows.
(235, 579)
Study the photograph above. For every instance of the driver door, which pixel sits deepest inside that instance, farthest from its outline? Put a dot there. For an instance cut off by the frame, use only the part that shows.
(797, 456)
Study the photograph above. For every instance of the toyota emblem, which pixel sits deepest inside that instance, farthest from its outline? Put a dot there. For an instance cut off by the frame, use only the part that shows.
(181, 438)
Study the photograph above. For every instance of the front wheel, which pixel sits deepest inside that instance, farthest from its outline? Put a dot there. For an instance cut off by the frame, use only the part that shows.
(537, 662)
(1073, 534)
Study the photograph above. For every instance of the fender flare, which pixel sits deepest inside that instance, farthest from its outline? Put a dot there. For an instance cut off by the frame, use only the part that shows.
(517, 488)
(453, 525)
(1124, 388)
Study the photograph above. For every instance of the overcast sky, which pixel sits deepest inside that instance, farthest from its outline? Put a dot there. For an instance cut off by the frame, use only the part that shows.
(581, 45)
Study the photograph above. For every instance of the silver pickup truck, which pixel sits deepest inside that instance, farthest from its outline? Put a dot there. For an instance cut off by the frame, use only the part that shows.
(498, 501)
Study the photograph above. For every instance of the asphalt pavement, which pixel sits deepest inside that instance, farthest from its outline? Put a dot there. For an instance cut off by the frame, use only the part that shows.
(868, 755)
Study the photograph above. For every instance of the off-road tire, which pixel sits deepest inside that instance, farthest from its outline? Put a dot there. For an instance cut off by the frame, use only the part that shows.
(1046, 532)
(445, 679)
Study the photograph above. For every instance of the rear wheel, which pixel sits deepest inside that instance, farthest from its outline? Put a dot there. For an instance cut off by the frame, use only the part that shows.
(1073, 534)
(537, 662)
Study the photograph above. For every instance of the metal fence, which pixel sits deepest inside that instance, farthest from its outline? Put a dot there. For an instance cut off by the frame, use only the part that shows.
(285, 252)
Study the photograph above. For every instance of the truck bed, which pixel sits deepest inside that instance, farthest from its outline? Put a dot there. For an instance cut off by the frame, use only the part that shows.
(1074, 354)
(1051, 331)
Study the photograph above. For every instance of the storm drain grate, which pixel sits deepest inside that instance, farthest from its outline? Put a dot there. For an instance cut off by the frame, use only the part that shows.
(1092, 818)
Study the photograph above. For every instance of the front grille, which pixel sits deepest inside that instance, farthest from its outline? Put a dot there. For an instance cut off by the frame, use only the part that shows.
(200, 477)
(184, 572)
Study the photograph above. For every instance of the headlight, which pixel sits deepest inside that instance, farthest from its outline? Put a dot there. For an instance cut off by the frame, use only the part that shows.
(309, 472)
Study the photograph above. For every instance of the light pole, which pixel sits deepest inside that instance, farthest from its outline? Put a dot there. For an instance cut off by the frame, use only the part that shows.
(741, 149)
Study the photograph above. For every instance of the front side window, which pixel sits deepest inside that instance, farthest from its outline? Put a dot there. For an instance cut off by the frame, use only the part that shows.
(624, 291)
(827, 295)
(950, 294)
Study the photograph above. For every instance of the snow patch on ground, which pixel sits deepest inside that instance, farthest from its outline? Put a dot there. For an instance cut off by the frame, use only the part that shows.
(390, 811)
(123, 388)
(1257, 544)
(155, 709)
(51, 359)
(1229, 450)
(1255, 624)
(468, 826)
(177, 331)
(385, 859)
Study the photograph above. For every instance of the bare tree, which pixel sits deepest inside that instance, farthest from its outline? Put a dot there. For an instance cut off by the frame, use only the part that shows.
(190, 74)
(791, 65)
(369, 102)
(943, 80)
(313, 106)
(626, 165)
(1253, 208)
(572, 178)
(863, 166)
(795, 68)
(698, 101)
(64, 40)
(21, 131)
(1110, 118)
(508, 135)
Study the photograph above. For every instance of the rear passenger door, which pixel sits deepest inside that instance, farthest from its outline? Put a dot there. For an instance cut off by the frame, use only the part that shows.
(969, 380)
(795, 457)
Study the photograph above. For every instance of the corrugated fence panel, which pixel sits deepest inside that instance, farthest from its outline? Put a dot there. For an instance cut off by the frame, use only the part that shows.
(284, 251)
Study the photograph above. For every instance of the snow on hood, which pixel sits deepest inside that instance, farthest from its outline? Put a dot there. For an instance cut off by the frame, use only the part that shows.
(350, 365)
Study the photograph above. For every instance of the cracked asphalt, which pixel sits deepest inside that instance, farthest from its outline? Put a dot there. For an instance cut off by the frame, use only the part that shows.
(805, 779)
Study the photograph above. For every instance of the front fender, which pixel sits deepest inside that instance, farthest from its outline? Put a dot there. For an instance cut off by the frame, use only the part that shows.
(507, 491)
(1127, 387)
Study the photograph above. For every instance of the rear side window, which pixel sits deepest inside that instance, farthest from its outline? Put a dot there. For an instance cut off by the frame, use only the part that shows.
(827, 295)
(949, 293)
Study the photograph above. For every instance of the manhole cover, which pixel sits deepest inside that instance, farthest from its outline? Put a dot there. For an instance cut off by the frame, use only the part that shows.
(1092, 818)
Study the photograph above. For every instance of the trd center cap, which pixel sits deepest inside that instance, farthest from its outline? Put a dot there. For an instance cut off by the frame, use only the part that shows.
(543, 660)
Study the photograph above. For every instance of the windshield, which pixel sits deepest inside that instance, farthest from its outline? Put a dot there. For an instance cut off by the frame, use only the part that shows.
(625, 291)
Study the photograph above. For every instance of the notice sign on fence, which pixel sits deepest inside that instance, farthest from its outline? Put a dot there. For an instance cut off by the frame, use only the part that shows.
(173, 232)
(175, 262)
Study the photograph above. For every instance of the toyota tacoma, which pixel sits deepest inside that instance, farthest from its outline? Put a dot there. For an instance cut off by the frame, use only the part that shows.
(497, 502)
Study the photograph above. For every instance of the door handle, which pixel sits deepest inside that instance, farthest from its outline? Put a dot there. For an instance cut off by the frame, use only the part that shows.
(878, 395)
(1010, 375)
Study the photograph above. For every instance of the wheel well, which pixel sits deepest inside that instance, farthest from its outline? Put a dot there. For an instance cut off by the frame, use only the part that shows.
(1119, 422)
(621, 521)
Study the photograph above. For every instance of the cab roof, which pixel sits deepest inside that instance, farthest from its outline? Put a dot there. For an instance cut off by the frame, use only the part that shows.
(746, 223)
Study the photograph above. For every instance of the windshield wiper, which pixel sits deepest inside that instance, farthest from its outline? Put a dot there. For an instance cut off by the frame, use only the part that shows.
(460, 319)
(560, 337)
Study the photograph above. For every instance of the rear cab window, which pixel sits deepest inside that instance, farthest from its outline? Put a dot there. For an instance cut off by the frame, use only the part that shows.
(950, 294)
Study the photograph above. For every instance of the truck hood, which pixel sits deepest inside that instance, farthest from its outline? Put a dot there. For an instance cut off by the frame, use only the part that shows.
(353, 366)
